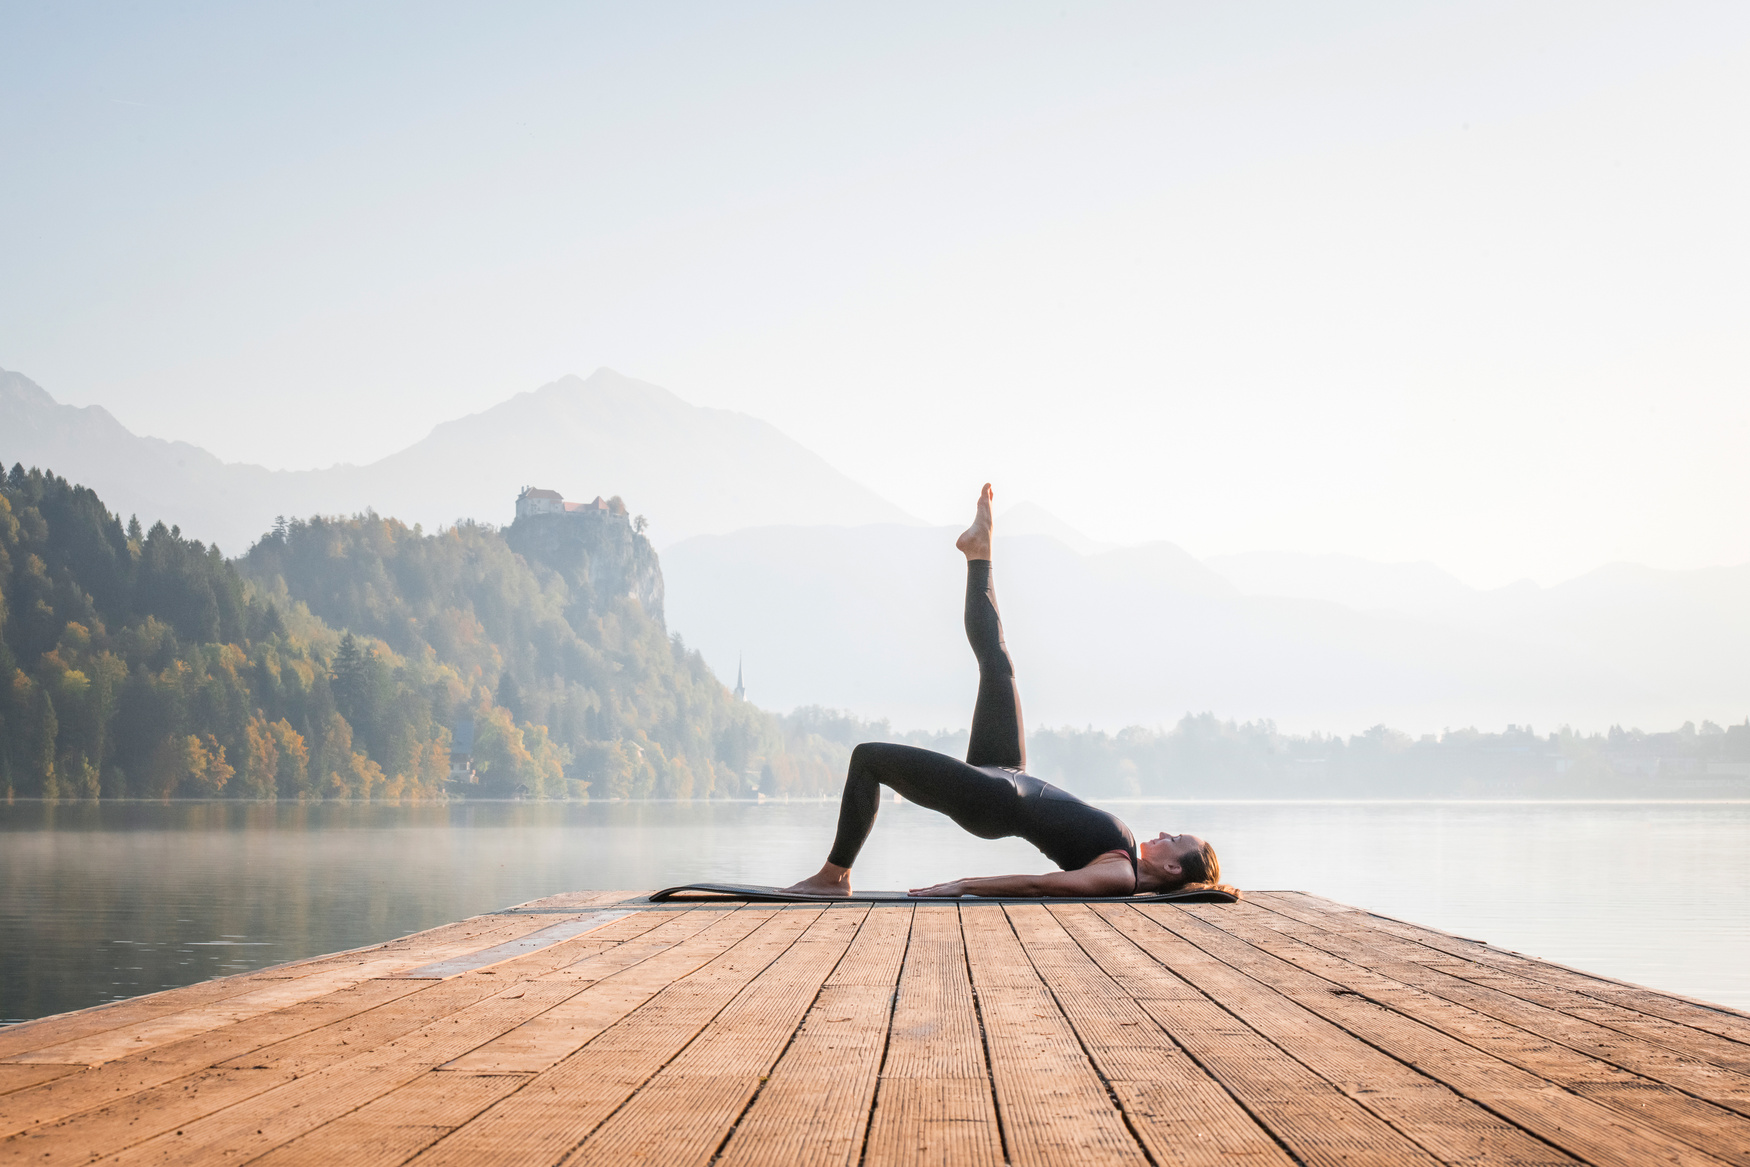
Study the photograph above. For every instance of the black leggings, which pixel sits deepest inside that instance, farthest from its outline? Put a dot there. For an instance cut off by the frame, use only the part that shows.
(987, 794)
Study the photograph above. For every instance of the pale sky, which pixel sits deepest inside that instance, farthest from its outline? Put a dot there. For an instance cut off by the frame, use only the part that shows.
(1458, 282)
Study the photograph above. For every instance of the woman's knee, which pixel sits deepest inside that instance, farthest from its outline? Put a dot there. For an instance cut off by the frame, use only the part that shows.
(876, 755)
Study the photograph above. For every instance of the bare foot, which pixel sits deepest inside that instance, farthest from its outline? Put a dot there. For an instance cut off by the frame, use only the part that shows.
(975, 540)
(830, 880)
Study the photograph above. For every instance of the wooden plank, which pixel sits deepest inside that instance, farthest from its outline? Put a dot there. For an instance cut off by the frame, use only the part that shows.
(396, 1126)
(1328, 1098)
(687, 1110)
(1638, 1023)
(189, 1097)
(446, 942)
(17, 1077)
(1707, 1017)
(878, 952)
(1658, 1050)
(431, 1003)
(112, 1083)
(522, 946)
(629, 976)
(935, 1022)
(1176, 1110)
(64, 1027)
(552, 961)
(1053, 1106)
(97, 1048)
(1580, 1126)
(449, 940)
(96, 1132)
(814, 1108)
(933, 1122)
(580, 899)
(559, 1107)
(1656, 1104)
(270, 1118)
(933, 1103)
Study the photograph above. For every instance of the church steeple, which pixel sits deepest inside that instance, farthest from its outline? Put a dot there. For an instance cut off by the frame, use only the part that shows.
(740, 690)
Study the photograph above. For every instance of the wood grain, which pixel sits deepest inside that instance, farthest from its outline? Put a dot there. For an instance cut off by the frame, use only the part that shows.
(1282, 1030)
(1579, 1126)
(934, 1103)
(814, 1106)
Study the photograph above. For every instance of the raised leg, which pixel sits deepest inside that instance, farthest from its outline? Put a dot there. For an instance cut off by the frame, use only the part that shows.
(998, 735)
(987, 805)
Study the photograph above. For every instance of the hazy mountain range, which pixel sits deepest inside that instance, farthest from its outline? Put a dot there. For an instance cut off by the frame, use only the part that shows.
(688, 470)
(833, 596)
(869, 619)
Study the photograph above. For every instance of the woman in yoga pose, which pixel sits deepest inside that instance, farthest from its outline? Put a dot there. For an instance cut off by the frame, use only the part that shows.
(991, 795)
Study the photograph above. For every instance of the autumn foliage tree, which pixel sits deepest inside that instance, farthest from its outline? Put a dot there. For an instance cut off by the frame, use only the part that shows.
(335, 658)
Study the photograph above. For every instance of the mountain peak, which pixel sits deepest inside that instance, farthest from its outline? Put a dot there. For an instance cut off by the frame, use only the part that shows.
(688, 469)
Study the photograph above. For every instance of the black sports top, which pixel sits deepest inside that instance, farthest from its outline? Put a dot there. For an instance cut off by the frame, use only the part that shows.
(1071, 833)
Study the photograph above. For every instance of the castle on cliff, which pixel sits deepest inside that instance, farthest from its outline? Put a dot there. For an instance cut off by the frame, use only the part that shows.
(535, 500)
(599, 549)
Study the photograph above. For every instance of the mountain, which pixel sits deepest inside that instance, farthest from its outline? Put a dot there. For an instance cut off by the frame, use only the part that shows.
(148, 477)
(868, 619)
(690, 470)
(1411, 589)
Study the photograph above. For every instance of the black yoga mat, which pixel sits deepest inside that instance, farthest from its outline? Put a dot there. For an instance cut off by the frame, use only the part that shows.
(754, 893)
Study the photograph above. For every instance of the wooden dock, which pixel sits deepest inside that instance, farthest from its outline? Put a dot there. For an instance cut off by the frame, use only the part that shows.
(595, 1028)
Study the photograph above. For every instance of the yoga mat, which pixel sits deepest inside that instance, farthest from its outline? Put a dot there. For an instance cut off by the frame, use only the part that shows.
(755, 893)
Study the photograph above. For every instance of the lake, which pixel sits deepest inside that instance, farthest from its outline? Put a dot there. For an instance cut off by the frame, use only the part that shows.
(100, 901)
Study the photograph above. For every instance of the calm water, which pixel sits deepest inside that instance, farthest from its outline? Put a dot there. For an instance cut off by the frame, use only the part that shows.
(101, 901)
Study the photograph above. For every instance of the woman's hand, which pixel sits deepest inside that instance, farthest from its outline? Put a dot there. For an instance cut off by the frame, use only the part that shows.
(951, 890)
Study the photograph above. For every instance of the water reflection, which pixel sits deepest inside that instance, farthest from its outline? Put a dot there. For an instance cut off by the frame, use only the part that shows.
(101, 901)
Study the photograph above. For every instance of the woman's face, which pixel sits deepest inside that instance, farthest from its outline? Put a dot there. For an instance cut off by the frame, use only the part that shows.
(1167, 852)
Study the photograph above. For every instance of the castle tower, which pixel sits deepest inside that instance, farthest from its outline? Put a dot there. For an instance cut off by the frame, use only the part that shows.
(740, 690)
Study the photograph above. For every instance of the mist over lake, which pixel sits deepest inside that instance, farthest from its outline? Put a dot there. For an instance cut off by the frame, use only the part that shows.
(109, 900)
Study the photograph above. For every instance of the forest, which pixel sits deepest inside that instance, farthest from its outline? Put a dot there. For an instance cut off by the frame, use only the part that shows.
(335, 660)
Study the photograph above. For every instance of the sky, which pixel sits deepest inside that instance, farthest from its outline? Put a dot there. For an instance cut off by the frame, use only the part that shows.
(1462, 283)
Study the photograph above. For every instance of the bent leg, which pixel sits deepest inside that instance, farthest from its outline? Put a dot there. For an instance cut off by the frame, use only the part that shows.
(984, 804)
(998, 738)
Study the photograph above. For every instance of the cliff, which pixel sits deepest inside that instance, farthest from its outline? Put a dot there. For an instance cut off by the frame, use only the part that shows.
(597, 553)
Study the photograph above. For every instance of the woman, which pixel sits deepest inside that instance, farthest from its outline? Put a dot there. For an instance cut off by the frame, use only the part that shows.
(990, 795)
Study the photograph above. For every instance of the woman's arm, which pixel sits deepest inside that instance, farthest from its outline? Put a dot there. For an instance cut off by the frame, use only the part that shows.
(1109, 875)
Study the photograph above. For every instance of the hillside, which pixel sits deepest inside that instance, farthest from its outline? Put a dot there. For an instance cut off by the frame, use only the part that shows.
(692, 470)
(338, 658)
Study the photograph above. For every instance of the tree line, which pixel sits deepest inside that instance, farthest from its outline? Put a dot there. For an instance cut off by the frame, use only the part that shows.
(336, 658)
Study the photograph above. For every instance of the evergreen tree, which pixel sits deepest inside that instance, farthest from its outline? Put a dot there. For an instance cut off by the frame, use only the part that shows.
(333, 659)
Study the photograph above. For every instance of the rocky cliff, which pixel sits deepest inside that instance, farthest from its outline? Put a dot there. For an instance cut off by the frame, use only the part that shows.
(599, 555)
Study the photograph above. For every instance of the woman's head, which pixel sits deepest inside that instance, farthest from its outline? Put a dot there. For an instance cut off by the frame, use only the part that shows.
(1181, 861)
